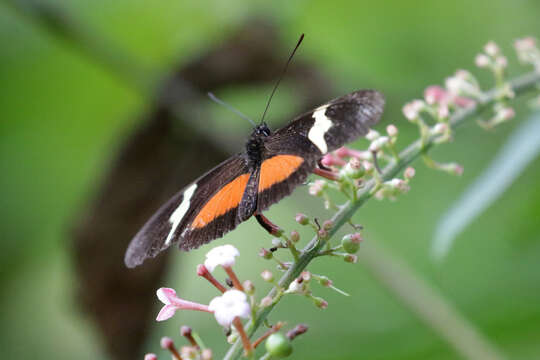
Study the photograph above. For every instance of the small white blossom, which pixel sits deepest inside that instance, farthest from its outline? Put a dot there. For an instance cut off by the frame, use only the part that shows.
(443, 111)
(316, 188)
(491, 48)
(398, 184)
(372, 135)
(296, 287)
(412, 110)
(409, 173)
(276, 242)
(221, 255)
(228, 306)
(439, 129)
(392, 130)
(481, 60)
(378, 143)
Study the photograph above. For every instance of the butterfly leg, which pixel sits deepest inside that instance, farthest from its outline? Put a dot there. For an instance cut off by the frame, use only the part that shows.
(328, 174)
(376, 163)
(321, 165)
(269, 226)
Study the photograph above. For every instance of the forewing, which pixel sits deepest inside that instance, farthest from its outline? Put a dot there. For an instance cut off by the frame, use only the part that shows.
(199, 213)
(293, 151)
(332, 125)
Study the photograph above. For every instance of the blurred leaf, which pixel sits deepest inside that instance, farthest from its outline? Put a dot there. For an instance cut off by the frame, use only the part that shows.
(522, 147)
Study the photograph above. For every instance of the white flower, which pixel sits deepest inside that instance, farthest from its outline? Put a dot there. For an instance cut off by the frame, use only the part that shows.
(398, 184)
(412, 110)
(439, 129)
(221, 255)
(231, 304)
(378, 143)
(392, 130)
(491, 48)
(482, 60)
(296, 287)
(372, 135)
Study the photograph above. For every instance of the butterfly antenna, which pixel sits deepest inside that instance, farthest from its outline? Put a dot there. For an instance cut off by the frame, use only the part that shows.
(281, 76)
(237, 112)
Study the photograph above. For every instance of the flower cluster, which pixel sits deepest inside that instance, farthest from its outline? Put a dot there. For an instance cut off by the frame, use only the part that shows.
(354, 168)
(528, 52)
(229, 309)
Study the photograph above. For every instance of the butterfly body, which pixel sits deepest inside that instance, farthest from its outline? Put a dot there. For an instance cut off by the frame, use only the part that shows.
(246, 184)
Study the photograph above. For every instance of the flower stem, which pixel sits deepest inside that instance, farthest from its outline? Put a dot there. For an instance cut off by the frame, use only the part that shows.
(519, 85)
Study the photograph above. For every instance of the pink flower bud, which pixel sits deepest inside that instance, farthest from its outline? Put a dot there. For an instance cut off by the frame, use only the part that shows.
(412, 110)
(435, 94)
(166, 342)
(305, 275)
(150, 356)
(350, 258)
(206, 354)
(525, 44)
(507, 113)
(249, 288)
(301, 219)
(455, 169)
(185, 331)
(320, 302)
(443, 111)
(316, 188)
(368, 166)
(265, 254)
(266, 301)
(188, 352)
(202, 270)
(409, 173)
(323, 234)
(342, 152)
(328, 224)
(295, 236)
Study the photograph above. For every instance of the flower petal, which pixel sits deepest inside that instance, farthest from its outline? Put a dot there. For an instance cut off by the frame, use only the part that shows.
(221, 255)
(166, 295)
(231, 304)
(166, 312)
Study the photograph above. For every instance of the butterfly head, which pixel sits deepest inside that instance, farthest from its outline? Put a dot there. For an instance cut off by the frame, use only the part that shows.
(262, 130)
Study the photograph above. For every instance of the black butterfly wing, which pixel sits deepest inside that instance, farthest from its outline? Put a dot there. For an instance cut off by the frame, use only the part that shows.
(202, 211)
(293, 151)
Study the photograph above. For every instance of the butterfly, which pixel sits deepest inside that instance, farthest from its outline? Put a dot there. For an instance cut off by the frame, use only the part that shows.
(246, 184)
(271, 166)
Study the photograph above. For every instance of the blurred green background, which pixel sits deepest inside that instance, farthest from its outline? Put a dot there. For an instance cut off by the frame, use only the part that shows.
(63, 116)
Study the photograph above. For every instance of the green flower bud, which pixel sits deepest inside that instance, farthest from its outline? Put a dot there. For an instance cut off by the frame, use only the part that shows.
(265, 254)
(351, 242)
(278, 346)
(302, 219)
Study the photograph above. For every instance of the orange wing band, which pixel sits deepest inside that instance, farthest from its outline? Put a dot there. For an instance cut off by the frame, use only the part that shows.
(224, 200)
(278, 168)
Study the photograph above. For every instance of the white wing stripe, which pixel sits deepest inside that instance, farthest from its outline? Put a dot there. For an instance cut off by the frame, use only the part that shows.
(180, 212)
(319, 128)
